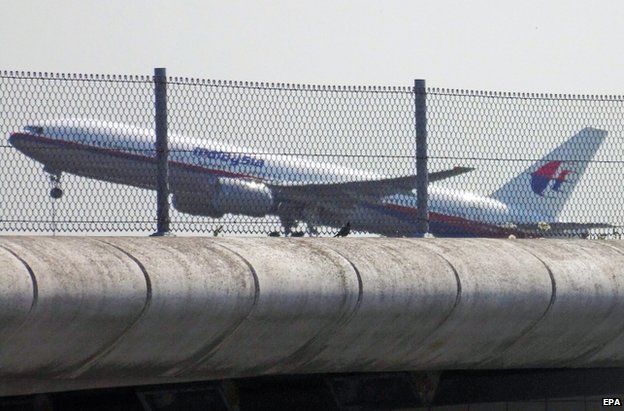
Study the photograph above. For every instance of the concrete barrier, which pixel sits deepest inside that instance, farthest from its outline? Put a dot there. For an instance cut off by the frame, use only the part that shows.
(100, 311)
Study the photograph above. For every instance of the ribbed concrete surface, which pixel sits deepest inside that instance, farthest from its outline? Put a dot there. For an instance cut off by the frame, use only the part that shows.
(87, 312)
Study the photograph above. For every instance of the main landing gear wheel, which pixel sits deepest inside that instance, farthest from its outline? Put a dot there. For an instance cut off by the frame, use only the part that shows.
(312, 230)
(288, 224)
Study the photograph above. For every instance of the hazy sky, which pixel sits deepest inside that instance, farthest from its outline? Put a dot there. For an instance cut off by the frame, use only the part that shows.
(558, 46)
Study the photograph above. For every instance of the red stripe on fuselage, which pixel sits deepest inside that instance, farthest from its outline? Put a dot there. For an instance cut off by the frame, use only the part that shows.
(457, 223)
(129, 155)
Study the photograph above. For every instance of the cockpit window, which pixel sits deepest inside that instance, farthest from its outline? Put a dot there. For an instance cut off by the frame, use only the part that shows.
(34, 129)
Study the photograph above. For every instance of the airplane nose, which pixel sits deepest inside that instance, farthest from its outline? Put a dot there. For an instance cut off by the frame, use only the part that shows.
(17, 140)
(14, 139)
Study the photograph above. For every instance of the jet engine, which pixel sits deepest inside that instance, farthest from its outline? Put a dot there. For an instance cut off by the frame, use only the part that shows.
(227, 195)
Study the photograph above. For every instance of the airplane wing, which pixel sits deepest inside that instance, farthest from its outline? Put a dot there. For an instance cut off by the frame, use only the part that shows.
(356, 191)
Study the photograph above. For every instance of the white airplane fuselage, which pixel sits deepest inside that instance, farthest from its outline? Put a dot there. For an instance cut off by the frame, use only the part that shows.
(124, 154)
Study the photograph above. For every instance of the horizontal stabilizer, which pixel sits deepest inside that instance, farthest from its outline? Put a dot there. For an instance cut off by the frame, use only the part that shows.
(566, 226)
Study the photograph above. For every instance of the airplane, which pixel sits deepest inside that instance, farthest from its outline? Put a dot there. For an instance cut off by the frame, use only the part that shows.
(208, 178)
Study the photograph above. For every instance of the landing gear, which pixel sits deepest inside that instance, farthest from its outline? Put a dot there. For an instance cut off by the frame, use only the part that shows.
(288, 225)
(311, 216)
(289, 229)
(312, 230)
(291, 216)
(55, 186)
(56, 193)
(287, 215)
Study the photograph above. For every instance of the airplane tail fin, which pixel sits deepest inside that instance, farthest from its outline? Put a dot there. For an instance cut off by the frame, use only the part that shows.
(541, 191)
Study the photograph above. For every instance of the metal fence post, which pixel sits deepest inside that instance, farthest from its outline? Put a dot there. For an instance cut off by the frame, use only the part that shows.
(162, 152)
(422, 178)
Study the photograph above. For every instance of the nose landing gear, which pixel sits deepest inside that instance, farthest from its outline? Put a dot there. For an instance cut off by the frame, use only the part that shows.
(55, 193)
(55, 186)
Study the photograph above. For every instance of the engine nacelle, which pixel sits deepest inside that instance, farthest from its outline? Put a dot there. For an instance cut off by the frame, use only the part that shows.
(242, 197)
(228, 195)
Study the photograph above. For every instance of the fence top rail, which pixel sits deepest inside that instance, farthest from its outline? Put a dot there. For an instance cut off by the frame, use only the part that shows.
(38, 75)
(201, 82)
(522, 95)
(279, 86)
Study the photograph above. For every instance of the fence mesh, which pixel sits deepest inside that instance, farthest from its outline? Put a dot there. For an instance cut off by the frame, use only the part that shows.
(260, 158)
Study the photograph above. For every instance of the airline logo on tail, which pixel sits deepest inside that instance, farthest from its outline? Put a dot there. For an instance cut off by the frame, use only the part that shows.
(549, 172)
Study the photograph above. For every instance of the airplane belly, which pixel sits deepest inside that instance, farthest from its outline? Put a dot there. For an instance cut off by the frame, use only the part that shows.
(114, 166)
(112, 169)
(400, 221)
(140, 172)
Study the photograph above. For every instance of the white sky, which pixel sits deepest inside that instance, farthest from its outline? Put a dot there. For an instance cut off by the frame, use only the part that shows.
(556, 46)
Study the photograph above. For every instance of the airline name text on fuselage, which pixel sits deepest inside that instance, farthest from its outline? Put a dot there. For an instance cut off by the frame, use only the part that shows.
(233, 159)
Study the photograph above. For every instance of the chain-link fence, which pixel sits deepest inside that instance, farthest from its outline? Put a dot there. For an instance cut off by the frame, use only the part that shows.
(78, 155)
